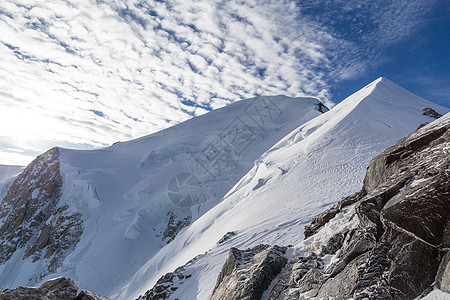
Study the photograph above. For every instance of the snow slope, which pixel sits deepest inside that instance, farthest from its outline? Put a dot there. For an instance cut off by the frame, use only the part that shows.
(310, 169)
(135, 196)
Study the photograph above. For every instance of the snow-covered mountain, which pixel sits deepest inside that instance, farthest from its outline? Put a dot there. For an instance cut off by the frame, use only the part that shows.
(310, 169)
(117, 219)
(98, 216)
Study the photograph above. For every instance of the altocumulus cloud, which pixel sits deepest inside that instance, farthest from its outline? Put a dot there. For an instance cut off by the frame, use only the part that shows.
(87, 73)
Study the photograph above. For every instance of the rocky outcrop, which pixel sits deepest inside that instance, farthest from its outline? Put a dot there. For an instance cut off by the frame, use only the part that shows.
(226, 237)
(169, 283)
(61, 288)
(32, 221)
(166, 285)
(174, 226)
(246, 274)
(403, 226)
(318, 221)
(428, 111)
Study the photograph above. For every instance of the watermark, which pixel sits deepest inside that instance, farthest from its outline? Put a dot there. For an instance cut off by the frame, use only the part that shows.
(184, 190)
(221, 155)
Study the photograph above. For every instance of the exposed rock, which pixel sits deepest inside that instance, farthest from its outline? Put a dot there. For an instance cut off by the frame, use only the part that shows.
(61, 288)
(318, 221)
(428, 111)
(322, 107)
(334, 243)
(403, 226)
(174, 226)
(360, 243)
(247, 273)
(226, 237)
(31, 219)
(167, 284)
(86, 295)
(340, 286)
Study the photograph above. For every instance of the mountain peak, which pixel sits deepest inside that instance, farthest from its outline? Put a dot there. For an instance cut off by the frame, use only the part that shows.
(384, 95)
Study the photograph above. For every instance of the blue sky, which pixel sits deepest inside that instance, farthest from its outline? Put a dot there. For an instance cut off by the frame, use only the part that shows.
(420, 61)
(84, 74)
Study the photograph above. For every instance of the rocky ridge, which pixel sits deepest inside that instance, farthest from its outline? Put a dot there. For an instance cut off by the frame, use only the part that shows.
(257, 267)
(32, 223)
(60, 288)
(397, 224)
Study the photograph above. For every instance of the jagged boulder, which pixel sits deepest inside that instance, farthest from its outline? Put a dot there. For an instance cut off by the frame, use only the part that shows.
(246, 274)
(167, 284)
(174, 226)
(61, 288)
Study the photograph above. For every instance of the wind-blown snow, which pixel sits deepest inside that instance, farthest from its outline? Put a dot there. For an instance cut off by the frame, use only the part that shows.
(310, 169)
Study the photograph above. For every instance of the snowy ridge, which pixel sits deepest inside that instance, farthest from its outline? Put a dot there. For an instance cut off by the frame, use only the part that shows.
(135, 197)
(310, 169)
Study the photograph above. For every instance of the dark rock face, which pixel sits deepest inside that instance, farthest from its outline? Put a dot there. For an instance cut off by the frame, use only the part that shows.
(61, 288)
(428, 111)
(226, 237)
(322, 107)
(31, 219)
(399, 246)
(174, 226)
(246, 274)
(299, 275)
(166, 285)
(86, 295)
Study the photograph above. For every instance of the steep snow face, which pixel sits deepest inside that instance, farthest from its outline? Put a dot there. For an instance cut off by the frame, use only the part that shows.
(310, 169)
(135, 197)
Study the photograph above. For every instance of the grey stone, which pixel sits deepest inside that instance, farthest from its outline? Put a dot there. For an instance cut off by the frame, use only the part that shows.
(247, 273)
(61, 288)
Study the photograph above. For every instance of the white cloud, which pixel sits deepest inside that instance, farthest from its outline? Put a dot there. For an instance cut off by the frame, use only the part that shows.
(89, 73)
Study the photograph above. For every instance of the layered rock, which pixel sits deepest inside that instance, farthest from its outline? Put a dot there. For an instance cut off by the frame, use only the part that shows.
(246, 274)
(61, 288)
(32, 224)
